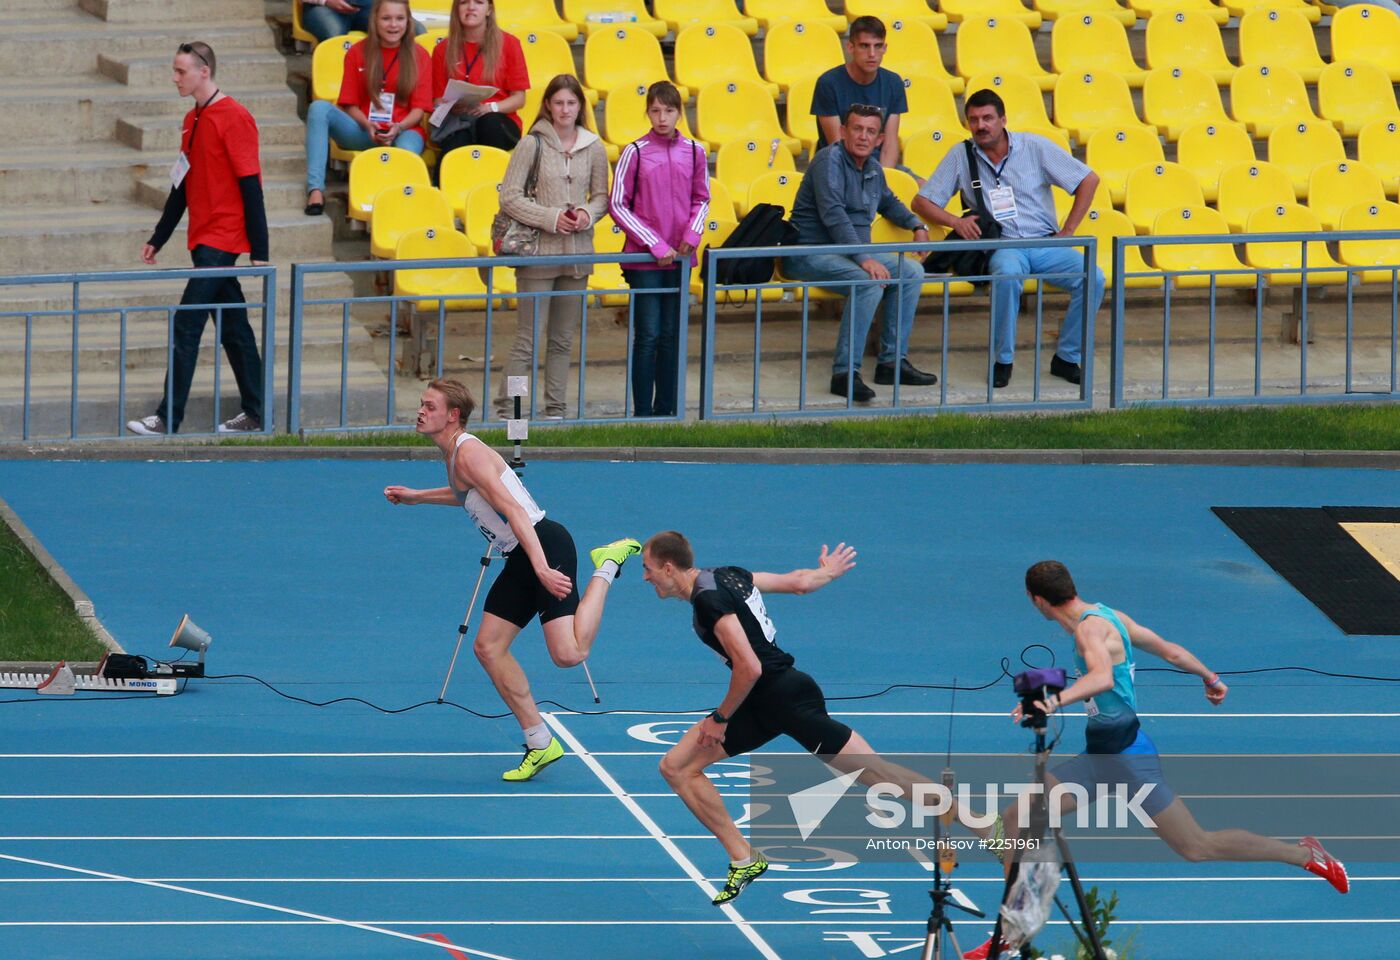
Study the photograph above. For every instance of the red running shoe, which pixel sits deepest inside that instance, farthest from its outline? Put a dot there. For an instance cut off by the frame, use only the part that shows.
(1325, 865)
(980, 953)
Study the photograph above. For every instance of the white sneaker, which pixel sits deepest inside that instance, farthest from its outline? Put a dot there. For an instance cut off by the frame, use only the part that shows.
(152, 426)
(240, 424)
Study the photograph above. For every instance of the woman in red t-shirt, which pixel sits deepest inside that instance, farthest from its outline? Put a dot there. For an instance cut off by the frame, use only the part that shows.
(479, 51)
(383, 97)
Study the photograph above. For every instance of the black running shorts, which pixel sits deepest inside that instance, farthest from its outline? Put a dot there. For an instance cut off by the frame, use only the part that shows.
(518, 596)
(787, 702)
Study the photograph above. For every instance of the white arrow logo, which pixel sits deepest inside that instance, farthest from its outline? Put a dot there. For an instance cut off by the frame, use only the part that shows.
(810, 806)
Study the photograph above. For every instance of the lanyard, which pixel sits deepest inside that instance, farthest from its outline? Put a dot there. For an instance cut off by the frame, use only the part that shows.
(996, 171)
(198, 112)
(469, 64)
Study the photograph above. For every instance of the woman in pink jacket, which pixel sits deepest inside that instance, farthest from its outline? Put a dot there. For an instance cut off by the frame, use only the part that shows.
(660, 197)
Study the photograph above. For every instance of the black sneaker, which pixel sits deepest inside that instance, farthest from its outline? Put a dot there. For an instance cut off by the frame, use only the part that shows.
(1001, 374)
(860, 393)
(1066, 370)
(909, 375)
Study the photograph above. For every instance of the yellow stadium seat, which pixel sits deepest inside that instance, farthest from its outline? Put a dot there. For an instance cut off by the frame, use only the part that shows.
(890, 11)
(1188, 38)
(1352, 95)
(1154, 9)
(522, 17)
(1059, 9)
(1054, 134)
(1384, 254)
(594, 16)
(772, 12)
(299, 31)
(374, 170)
(608, 238)
(547, 55)
(1283, 37)
(739, 162)
(625, 116)
(924, 149)
(1155, 187)
(713, 53)
(624, 56)
(1002, 46)
(1093, 43)
(1335, 187)
(1208, 148)
(931, 106)
(1197, 220)
(911, 50)
(960, 11)
(722, 202)
(1289, 218)
(1367, 33)
(902, 185)
(1175, 98)
(429, 39)
(1243, 8)
(328, 65)
(715, 232)
(681, 14)
(775, 186)
(1379, 146)
(1088, 102)
(1114, 152)
(483, 203)
(1105, 225)
(458, 288)
(1064, 202)
(796, 50)
(443, 7)
(466, 168)
(1262, 96)
(1025, 105)
(398, 210)
(1247, 187)
(739, 110)
(801, 123)
(1299, 147)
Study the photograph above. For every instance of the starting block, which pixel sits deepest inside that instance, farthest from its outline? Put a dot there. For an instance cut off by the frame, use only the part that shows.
(63, 681)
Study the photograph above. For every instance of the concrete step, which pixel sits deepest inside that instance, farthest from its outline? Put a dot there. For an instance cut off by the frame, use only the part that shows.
(279, 193)
(87, 107)
(25, 9)
(94, 235)
(159, 11)
(237, 68)
(69, 40)
(161, 134)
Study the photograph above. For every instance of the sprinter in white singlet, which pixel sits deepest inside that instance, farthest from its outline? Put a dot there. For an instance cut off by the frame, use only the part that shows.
(540, 564)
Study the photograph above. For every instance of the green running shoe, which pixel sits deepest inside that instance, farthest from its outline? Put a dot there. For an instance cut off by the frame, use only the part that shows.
(534, 761)
(739, 878)
(618, 551)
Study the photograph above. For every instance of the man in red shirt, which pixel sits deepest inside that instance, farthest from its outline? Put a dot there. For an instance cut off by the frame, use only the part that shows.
(217, 178)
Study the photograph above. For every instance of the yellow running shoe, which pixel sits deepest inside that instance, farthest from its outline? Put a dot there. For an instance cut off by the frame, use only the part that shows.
(739, 878)
(534, 761)
(618, 551)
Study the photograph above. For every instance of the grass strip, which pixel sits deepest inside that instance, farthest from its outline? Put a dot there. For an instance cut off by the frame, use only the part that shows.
(37, 621)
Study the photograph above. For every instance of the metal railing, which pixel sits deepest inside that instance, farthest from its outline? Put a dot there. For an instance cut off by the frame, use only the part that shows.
(494, 293)
(1290, 381)
(801, 293)
(29, 325)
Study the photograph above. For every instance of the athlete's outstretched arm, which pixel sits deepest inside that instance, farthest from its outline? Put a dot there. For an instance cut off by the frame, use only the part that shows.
(439, 496)
(1175, 654)
(830, 566)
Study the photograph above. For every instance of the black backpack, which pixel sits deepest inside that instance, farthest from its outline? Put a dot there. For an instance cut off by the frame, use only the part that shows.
(762, 226)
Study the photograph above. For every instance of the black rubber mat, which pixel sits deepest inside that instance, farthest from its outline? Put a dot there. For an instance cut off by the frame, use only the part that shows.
(1308, 548)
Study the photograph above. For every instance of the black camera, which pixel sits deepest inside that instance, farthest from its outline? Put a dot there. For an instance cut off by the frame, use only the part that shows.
(1038, 684)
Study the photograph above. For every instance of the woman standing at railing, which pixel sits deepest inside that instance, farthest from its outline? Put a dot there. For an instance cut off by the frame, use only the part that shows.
(384, 92)
(478, 51)
(570, 194)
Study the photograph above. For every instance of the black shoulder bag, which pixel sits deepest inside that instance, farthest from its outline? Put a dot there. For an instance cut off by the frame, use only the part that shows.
(969, 263)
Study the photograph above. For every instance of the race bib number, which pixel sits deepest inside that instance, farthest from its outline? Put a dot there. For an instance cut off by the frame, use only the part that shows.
(179, 169)
(754, 601)
(384, 112)
(1003, 203)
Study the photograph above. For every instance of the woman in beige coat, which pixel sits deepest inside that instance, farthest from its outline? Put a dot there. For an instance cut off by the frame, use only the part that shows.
(571, 194)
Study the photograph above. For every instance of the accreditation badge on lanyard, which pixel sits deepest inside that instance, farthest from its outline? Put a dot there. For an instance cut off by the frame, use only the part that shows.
(1003, 203)
(384, 112)
(178, 169)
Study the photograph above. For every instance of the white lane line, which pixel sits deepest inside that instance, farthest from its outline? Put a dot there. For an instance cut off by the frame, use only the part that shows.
(376, 928)
(256, 756)
(316, 917)
(385, 839)
(295, 796)
(922, 881)
(667, 843)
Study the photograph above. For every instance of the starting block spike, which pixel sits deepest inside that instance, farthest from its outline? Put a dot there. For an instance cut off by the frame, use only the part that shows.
(59, 683)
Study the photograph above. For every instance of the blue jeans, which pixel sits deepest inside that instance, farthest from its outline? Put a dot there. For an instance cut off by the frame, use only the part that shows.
(325, 23)
(863, 301)
(240, 346)
(656, 323)
(1006, 296)
(325, 120)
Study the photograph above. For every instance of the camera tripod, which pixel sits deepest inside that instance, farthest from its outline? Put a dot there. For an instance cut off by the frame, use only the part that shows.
(940, 927)
(1039, 824)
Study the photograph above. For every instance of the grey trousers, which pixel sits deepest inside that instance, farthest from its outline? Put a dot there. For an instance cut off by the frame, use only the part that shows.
(557, 318)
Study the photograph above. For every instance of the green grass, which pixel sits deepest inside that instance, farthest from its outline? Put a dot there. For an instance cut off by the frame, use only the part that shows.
(37, 621)
(1368, 426)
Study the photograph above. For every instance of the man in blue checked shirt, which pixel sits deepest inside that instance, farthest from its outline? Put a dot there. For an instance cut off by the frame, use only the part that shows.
(841, 193)
(1016, 171)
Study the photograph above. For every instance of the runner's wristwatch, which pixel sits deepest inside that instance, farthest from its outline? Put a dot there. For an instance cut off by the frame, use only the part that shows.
(718, 717)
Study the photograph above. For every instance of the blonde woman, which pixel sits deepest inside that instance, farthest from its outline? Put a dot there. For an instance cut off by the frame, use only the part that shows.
(385, 90)
(478, 51)
(571, 193)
